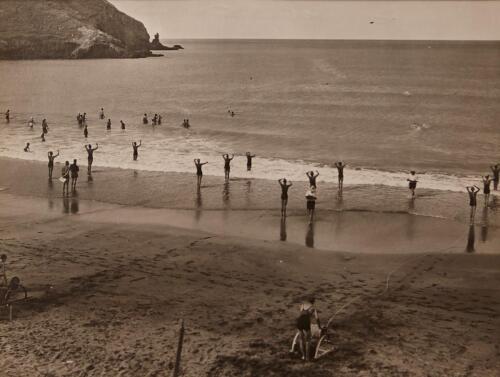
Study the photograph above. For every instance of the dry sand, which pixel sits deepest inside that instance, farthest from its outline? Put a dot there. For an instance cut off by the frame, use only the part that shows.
(107, 298)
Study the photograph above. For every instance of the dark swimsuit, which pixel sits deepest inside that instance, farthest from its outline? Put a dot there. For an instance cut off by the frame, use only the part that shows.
(304, 320)
(227, 165)
(199, 172)
(284, 192)
(312, 181)
(472, 199)
(341, 172)
(249, 161)
(486, 189)
(51, 162)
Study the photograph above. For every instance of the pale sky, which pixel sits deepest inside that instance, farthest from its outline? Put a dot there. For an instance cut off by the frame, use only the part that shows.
(322, 19)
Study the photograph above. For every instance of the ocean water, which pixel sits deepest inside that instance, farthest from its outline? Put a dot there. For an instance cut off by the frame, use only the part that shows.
(384, 108)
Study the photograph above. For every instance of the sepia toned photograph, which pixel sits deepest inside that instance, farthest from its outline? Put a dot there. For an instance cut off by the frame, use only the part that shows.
(249, 188)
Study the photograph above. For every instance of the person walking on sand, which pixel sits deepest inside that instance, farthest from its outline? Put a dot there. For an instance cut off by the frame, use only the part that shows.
(412, 182)
(74, 169)
(311, 203)
(285, 185)
(249, 160)
(51, 158)
(495, 169)
(90, 156)
(227, 165)
(199, 171)
(85, 132)
(472, 191)
(27, 147)
(7, 115)
(101, 113)
(312, 178)
(65, 176)
(486, 189)
(136, 146)
(307, 313)
(122, 124)
(108, 125)
(340, 170)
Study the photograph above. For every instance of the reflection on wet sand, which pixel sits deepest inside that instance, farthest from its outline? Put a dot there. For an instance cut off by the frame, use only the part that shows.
(310, 235)
(283, 229)
(226, 194)
(471, 239)
(75, 204)
(198, 205)
(410, 225)
(484, 225)
(65, 204)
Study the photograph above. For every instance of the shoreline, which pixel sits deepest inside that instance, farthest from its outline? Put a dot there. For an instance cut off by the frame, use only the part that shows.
(251, 208)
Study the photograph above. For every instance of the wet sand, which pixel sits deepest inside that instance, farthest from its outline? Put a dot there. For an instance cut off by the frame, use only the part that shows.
(110, 281)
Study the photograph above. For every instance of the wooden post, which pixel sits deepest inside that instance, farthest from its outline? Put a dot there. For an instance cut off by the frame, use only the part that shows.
(177, 366)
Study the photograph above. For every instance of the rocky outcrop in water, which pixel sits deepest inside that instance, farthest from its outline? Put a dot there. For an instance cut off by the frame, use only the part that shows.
(157, 45)
(66, 29)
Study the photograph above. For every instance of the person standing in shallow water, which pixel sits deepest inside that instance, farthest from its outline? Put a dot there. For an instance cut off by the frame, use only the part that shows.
(90, 156)
(227, 165)
(249, 160)
(122, 124)
(7, 115)
(85, 132)
(101, 113)
(51, 158)
(472, 191)
(412, 182)
(45, 126)
(199, 171)
(311, 203)
(340, 170)
(136, 146)
(65, 175)
(27, 147)
(495, 169)
(312, 178)
(285, 185)
(108, 125)
(486, 189)
(74, 169)
(145, 119)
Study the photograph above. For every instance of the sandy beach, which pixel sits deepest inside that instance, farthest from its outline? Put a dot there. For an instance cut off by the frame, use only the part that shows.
(111, 277)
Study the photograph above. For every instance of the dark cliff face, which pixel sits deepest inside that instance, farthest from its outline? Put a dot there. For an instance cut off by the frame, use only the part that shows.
(55, 29)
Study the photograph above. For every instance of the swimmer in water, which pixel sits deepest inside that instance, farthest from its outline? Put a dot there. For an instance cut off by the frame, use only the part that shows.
(136, 146)
(340, 169)
(412, 183)
(7, 115)
(199, 171)
(227, 165)
(45, 126)
(285, 185)
(122, 124)
(145, 119)
(27, 147)
(312, 178)
(74, 169)
(495, 169)
(65, 174)
(51, 158)
(85, 132)
(486, 189)
(31, 123)
(90, 156)
(472, 191)
(249, 160)
(108, 125)
(155, 119)
(159, 119)
(101, 113)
